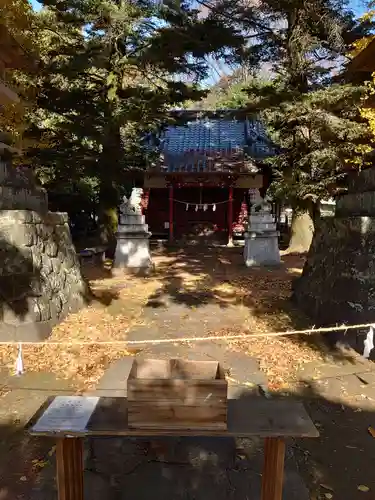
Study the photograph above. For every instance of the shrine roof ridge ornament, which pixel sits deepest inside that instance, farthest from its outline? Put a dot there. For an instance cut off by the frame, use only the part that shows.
(199, 114)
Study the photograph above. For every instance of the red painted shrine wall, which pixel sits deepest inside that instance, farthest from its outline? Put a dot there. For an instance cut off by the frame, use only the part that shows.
(188, 222)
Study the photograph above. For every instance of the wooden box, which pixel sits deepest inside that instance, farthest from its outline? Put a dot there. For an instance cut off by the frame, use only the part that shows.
(177, 394)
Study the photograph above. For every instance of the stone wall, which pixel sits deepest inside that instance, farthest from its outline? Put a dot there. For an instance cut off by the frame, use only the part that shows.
(338, 281)
(40, 277)
(18, 190)
(337, 285)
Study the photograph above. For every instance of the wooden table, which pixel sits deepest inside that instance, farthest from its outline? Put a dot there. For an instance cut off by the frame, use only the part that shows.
(273, 420)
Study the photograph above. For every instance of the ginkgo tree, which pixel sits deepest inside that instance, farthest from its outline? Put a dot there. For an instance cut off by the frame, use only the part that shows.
(368, 19)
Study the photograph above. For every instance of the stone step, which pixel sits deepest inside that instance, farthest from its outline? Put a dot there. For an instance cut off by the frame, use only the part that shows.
(315, 371)
(114, 381)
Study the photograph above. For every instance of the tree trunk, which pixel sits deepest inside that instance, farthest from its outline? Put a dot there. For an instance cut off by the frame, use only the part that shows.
(107, 218)
(108, 194)
(302, 231)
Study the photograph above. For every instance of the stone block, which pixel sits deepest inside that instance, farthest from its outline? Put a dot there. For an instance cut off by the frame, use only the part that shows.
(56, 265)
(36, 257)
(261, 227)
(131, 219)
(261, 249)
(22, 198)
(63, 297)
(57, 282)
(16, 287)
(9, 217)
(21, 311)
(133, 252)
(56, 218)
(46, 265)
(20, 234)
(32, 332)
(261, 219)
(35, 261)
(36, 285)
(47, 288)
(46, 232)
(51, 248)
(338, 280)
(70, 259)
(362, 181)
(115, 378)
(51, 218)
(55, 308)
(7, 332)
(44, 307)
(132, 228)
(37, 218)
(356, 204)
(15, 261)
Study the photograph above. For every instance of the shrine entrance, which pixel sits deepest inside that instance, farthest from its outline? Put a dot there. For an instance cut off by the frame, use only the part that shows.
(201, 213)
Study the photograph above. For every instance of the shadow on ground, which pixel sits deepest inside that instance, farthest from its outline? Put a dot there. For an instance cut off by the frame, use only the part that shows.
(202, 278)
(336, 463)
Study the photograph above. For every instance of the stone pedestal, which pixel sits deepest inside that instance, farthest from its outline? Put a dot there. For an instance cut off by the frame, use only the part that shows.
(337, 285)
(261, 241)
(133, 248)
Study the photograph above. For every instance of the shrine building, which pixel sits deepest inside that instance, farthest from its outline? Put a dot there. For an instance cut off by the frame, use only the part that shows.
(200, 187)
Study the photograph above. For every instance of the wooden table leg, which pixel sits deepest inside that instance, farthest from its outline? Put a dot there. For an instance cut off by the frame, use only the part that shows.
(69, 461)
(273, 469)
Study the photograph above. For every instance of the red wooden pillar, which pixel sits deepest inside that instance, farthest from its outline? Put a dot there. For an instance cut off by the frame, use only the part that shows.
(171, 235)
(230, 218)
(145, 200)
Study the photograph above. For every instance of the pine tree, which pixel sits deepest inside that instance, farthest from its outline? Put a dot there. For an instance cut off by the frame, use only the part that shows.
(313, 118)
(16, 18)
(111, 70)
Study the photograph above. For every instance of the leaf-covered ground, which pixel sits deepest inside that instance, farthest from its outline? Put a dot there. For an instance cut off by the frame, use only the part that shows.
(116, 307)
(217, 296)
(260, 297)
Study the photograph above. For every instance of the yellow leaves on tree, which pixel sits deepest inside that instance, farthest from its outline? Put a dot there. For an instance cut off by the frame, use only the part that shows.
(367, 111)
(16, 15)
(362, 43)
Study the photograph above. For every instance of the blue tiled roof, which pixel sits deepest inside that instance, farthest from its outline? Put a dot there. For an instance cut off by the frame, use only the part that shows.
(212, 144)
(217, 135)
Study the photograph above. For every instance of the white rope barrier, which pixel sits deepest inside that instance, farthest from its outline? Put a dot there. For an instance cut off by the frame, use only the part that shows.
(247, 336)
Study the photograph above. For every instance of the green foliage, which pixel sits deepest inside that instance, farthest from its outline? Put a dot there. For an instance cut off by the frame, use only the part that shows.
(110, 72)
(320, 137)
(312, 117)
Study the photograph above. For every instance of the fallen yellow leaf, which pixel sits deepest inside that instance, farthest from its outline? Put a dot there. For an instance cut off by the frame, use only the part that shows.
(371, 431)
(363, 487)
(51, 451)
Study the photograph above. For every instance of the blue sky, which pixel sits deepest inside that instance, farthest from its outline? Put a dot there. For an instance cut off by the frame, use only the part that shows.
(35, 4)
(358, 6)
